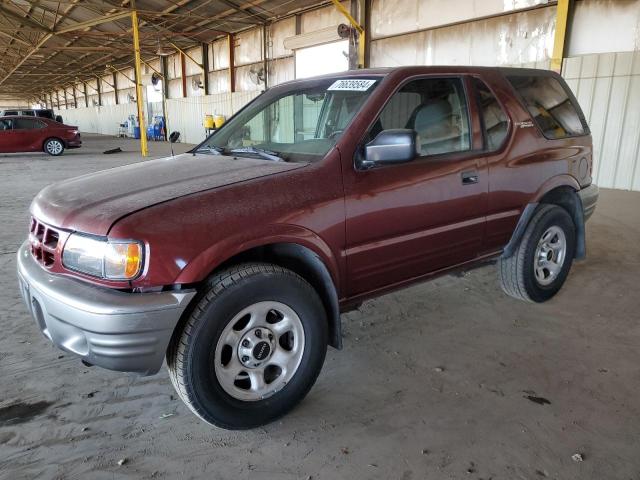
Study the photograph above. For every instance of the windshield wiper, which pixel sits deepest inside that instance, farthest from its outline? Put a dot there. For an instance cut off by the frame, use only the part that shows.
(262, 153)
(211, 149)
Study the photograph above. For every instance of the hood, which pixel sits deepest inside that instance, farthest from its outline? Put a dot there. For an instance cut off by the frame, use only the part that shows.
(93, 203)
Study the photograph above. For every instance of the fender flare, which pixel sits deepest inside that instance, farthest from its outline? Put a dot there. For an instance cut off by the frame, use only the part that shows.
(562, 191)
(305, 253)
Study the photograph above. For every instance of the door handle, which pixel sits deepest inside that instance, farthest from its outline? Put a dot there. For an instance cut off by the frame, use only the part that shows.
(470, 177)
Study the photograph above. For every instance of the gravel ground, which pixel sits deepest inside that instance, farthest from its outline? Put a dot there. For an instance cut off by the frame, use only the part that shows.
(450, 379)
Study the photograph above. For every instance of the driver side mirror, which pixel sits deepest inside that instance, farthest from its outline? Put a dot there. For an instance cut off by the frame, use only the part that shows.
(174, 136)
(390, 147)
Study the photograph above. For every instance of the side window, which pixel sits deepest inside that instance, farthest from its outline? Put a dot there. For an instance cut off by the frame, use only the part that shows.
(29, 113)
(436, 109)
(27, 124)
(5, 124)
(549, 105)
(494, 120)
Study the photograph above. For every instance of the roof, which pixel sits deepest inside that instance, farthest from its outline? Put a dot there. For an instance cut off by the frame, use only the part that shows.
(421, 70)
(51, 43)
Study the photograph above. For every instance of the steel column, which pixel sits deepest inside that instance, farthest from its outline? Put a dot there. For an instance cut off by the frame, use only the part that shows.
(183, 74)
(232, 68)
(265, 50)
(562, 14)
(115, 87)
(205, 67)
(139, 95)
(357, 26)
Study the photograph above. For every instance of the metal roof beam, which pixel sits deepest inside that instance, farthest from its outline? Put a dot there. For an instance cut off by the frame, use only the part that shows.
(24, 19)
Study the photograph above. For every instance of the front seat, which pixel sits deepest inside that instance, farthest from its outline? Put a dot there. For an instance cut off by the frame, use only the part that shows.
(432, 120)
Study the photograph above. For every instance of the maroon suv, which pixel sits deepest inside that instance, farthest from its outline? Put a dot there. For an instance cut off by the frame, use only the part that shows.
(234, 261)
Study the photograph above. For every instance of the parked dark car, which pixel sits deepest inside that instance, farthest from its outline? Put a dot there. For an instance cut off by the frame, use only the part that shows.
(29, 134)
(235, 261)
(32, 112)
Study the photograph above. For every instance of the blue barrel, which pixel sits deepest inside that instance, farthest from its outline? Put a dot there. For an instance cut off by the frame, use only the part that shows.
(136, 132)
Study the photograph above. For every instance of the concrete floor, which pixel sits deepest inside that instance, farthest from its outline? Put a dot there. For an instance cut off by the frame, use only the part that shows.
(432, 382)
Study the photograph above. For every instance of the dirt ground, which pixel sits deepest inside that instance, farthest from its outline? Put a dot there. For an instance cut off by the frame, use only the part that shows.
(446, 380)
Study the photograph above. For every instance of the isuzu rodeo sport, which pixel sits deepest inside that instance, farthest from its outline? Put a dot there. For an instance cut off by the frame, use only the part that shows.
(235, 260)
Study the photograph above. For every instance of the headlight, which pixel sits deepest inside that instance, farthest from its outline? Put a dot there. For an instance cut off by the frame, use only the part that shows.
(110, 259)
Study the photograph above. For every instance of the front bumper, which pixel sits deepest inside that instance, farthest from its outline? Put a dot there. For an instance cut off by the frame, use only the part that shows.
(122, 331)
(589, 198)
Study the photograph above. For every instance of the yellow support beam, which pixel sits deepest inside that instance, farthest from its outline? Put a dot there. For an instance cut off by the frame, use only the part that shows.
(151, 67)
(122, 72)
(562, 14)
(354, 23)
(139, 96)
(187, 55)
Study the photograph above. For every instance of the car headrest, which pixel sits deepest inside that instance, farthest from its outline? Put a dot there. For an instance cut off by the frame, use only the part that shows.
(429, 114)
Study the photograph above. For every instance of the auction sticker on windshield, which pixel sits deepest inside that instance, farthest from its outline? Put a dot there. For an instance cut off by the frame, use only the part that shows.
(352, 85)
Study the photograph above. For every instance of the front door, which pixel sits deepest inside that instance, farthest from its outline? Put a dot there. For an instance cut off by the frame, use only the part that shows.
(28, 134)
(407, 220)
(7, 138)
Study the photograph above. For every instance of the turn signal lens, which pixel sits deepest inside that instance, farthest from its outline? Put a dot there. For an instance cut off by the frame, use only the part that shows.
(122, 261)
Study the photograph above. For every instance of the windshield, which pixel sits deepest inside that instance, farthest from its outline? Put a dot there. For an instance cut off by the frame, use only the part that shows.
(300, 125)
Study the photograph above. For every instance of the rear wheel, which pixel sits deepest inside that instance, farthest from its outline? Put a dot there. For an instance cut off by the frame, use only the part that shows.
(252, 347)
(54, 146)
(539, 267)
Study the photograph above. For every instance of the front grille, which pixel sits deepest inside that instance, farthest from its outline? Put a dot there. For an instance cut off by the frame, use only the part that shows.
(44, 242)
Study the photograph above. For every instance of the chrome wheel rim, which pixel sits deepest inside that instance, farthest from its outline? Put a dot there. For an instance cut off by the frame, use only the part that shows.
(550, 255)
(259, 351)
(54, 147)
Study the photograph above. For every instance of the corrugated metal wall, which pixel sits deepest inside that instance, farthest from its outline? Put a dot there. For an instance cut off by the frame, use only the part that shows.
(607, 86)
(186, 115)
(104, 120)
(519, 37)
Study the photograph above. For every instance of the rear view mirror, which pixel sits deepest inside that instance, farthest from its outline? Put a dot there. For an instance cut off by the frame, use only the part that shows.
(390, 147)
(174, 137)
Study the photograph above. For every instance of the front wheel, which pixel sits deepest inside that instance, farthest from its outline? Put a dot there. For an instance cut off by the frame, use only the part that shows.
(54, 146)
(251, 348)
(538, 268)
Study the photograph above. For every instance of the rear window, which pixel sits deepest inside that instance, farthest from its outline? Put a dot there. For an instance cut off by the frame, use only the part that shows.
(495, 123)
(44, 114)
(550, 105)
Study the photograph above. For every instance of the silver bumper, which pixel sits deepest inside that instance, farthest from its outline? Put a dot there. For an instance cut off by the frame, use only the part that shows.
(128, 332)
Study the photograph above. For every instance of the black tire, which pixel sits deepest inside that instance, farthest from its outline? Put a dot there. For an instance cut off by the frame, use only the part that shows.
(191, 353)
(54, 147)
(517, 273)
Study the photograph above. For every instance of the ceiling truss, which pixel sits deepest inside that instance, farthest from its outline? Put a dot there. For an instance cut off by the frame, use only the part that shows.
(47, 45)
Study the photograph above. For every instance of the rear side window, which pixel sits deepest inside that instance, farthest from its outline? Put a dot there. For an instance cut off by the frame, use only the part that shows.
(27, 124)
(549, 105)
(494, 120)
(44, 114)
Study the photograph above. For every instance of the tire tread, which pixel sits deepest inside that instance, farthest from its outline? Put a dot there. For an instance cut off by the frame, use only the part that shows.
(215, 286)
(511, 269)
